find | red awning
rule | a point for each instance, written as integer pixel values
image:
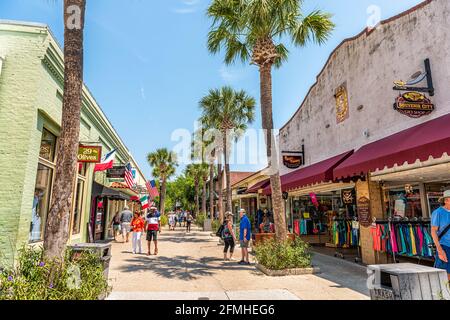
(260, 185)
(431, 138)
(316, 173)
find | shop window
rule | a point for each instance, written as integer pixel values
(404, 204)
(48, 146)
(434, 192)
(41, 202)
(78, 207)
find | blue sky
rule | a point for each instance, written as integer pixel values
(147, 65)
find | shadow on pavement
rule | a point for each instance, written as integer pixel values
(179, 267)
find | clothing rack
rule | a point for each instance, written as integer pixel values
(350, 232)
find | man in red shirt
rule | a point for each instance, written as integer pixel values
(153, 226)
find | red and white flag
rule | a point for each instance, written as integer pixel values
(152, 189)
(107, 162)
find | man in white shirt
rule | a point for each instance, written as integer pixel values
(153, 227)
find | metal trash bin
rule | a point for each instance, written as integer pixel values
(407, 281)
(102, 250)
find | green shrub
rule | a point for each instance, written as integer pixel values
(283, 255)
(200, 219)
(164, 220)
(36, 278)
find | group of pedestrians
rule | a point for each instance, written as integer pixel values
(136, 224)
(180, 217)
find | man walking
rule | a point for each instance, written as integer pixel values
(125, 219)
(153, 226)
(244, 236)
(440, 225)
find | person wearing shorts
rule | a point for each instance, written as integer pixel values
(125, 218)
(153, 227)
(244, 236)
(439, 221)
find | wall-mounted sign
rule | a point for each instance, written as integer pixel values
(285, 195)
(116, 172)
(342, 111)
(293, 162)
(364, 215)
(89, 154)
(413, 104)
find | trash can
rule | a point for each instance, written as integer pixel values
(407, 281)
(102, 250)
(207, 225)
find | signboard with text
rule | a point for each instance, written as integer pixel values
(364, 215)
(89, 154)
(116, 173)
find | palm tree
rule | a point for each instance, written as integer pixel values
(197, 171)
(57, 225)
(252, 30)
(164, 165)
(228, 111)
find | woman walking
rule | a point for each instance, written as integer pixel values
(228, 236)
(137, 227)
(116, 225)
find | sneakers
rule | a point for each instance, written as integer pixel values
(242, 262)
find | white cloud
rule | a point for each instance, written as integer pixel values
(229, 75)
(189, 6)
(184, 11)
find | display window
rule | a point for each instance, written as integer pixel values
(434, 191)
(43, 186)
(404, 203)
(78, 207)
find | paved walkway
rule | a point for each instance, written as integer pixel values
(190, 267)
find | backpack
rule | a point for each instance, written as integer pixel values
(220, 231)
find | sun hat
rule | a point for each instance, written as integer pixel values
(445, 196)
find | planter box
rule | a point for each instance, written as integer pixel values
(287, 272)
(261, 237)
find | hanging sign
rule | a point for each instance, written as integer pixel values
(413, 104)
(348, 197)
(364, 215)
(116, 172)
(89, 154)
(293, 162)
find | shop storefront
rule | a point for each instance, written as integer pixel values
(33, 64)
(379, 199)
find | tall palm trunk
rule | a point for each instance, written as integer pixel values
(204, 197)
(197, 192)
(229, 204)
(162, 199)
(57, 226)
(211, 190)
(275, 181)
(220, 192)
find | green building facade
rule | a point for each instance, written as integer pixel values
(31, 91)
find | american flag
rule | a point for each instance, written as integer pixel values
(152, 189)
(129, 176)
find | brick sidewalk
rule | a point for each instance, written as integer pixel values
(190, 266)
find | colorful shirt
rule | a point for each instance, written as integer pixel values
(152, 223)
(138, 224)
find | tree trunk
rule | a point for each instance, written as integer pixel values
(197, 192)
(275, 182)
(56, 233)
(204, 197)
(220, 192)
(211, 190)
(229, 203)
(162, 197)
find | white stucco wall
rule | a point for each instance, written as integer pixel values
(369, 63)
